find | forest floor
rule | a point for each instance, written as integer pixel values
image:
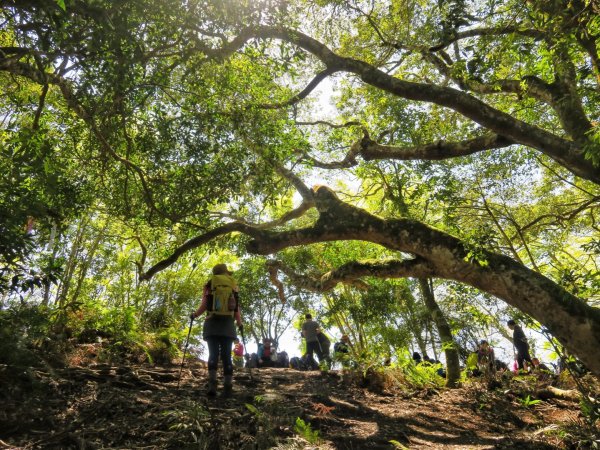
(141, 406)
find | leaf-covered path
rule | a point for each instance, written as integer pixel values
(140, 407)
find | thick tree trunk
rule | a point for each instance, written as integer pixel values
(448, 345)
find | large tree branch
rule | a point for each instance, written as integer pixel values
(370, 150)
(486, 31)
(448, 258)
(285, 218)
(301, 95)
(255, 230)
(352, 272)
(437, 254)
(560, 95)
(567, 153)
(197, 242)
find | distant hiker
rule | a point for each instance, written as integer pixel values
(307, 362)
(341, 351)
(324, 346)
(521, 345)
(486, 361)
(343, 345)
(283, 360)
(441, 371)
(301, 363)
(252, 361)
(416, 357)
(424, 360)
(265, 352)
(295, 363)
(540, 369)
(274, 353)
(537, 365)
(310, 332)
(220, 301)
(501, 366)
(238, 353)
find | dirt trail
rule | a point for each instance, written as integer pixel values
(140, 407)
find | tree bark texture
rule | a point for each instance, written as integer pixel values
(448, 344)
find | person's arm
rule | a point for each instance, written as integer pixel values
(203, 304)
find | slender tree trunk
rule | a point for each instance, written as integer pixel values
(65, 284)
(413, 320)
(448, 344)
(86, 265)
(52, 245)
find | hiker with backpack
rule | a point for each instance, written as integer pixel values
(324, 346)
(265, 353)
(521, 346)
(220, 301)
(341, 351)
(315, 340)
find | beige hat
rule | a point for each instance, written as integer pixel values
(221, 269)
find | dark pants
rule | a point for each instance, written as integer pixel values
(219, 347)
(315, 347)
(523, 355)
(266, 362)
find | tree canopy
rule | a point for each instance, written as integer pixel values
(460, 141)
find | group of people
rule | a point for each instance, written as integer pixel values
(483, 361)
(220, 302)
(427, 361)
(267, 356)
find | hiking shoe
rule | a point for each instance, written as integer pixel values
(227, 390)
(212, 389)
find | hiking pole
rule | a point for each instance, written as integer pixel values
(246, 357)
(187, 341)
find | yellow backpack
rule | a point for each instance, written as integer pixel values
(222, 299)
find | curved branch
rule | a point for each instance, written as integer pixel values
(288, 216)
(352, 123)
(197, 242)
(348, 161)
(370, 150)
(302, 95)
(350, 273)
(486, 31)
